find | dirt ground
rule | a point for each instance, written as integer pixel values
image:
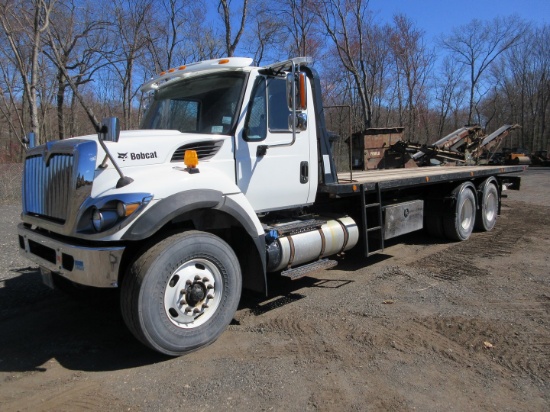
(427, 325)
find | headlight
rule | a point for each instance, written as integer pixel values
(104, 219)
(97, 220)
(108, 212)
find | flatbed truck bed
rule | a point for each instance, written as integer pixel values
(388, 179)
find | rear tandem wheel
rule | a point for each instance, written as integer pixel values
(459, 221)
(488, 205)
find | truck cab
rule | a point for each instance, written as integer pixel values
(211, 105)
(92, 204)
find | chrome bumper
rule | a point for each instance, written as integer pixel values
(91, 266)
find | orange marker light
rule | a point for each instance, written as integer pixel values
(303, 91)
(191, 159)
(223, 61)
(182, 67)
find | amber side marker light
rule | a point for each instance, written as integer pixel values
(125, 210)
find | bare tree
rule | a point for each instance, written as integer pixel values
(225, 10)
(74, 43)
(10, 104)
(413, 62)
(345, 22)
(299, 19)
(172, 33)
(23, 25)
(448, 86)
(129, 34)
(477, 44)
(266, 34)
(522, 84)
(378, 63)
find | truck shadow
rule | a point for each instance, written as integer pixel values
(39, 324)
(283, 291)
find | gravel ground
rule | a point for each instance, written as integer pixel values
(427, 325)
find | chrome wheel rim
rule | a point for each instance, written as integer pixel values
(193, 293)
(467, 212)
(491, 205)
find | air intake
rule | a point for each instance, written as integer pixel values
(205, 150)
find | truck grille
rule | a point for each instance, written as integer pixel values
(47, 185)
(53, 178)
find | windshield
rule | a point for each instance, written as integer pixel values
(206, 104)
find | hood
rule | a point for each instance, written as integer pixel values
(149, 147)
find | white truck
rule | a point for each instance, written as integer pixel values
(231, 177)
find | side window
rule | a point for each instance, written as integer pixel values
(278, 111)
(255, 126)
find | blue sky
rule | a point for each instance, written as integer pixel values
(440, 16)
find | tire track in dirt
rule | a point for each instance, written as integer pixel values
(456, 262)
(63, 397)
(504, 344)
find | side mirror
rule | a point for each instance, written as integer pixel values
(300, 89)
(300, 123)
(110, 129)
(29, 140)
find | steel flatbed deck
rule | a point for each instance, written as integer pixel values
(389, 179)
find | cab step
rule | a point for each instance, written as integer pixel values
(301, 271)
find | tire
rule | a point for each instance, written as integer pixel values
(488, 206)
(181, 294)
(459, 222)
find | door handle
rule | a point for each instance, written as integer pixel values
(304, 172)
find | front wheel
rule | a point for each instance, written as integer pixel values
(181, 294)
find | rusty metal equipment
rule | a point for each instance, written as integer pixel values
(540, 158)
(516, 156)
(466, 145)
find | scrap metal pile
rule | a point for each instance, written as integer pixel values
(467, 145)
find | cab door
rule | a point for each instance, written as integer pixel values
(272, 171)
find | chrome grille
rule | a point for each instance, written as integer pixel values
(58, 178)
(47, 185)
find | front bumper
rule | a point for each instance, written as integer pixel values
(90, 266)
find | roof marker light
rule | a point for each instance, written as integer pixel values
(171, 70)
(223, 61)
(182, 67)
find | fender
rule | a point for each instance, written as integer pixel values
(170, 207)
(177, 204)
(450, 200)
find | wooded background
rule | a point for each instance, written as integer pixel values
(65, 64)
